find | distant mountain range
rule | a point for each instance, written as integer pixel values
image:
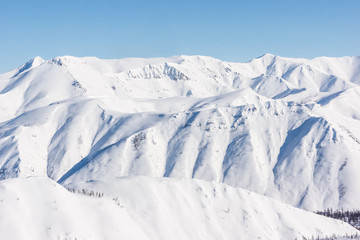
(285, 128)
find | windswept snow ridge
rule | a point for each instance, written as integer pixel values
(281, 127)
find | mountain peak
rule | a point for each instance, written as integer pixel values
(267, 56)
(38, 59)
(32, 63)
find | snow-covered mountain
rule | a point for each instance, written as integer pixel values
(282, 127)
(143, 208)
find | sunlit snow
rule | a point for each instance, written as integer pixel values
(280, 127)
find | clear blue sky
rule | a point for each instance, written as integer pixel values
(229, 30)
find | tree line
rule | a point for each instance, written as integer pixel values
(349, 216)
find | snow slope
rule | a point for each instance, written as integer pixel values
(149, 208)
(39, 208)
(286, 128)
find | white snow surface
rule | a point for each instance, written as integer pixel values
(281, 127)
(39, 208)
(151, 208)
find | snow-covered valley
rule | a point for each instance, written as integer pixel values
(177, 141)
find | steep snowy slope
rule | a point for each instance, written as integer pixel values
(147, 208)
(286, 128)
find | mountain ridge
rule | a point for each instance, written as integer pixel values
(266, 125)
